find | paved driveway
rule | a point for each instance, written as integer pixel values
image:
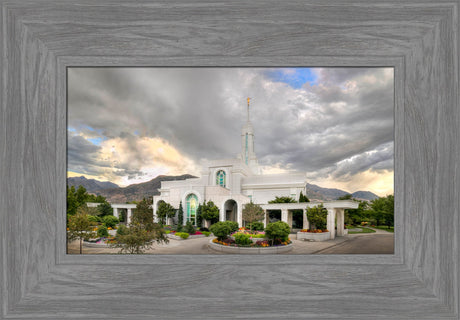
(381, 242)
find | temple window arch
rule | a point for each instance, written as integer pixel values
(221, 178)
(191, 207)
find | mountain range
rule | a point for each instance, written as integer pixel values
(135, 192)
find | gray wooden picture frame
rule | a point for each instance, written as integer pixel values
(41, 38)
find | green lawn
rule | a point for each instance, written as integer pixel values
(364, 230)
(391, 229)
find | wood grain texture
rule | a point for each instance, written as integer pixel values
(41, 38)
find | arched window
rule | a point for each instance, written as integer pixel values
(192, 205)
(220, 178)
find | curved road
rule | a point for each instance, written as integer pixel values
(381, 242)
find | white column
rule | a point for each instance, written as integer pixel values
(331, 222)
(265, 219)
(340, 222)
(306, 223)
(222, 213)
(155, 218)
(284, 215)
(115, 212)
(240, 216)
(128, 216)
(289, 219)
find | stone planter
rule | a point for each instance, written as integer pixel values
(323, 236)
(247, 250)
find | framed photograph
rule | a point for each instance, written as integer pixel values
(177, 160)
(42, 40)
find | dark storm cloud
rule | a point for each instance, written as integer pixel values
(200, 112)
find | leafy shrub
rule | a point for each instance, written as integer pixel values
(102, 231)
(110, 221)
(122, 230)
(277, 230)
(204, 229)
(183, 235)
(233, 225)
(94, 218)
(242, 239)
(257, 226)
(261, 235)
(317, 216)
(221, 230)
(206, 233)
(189, 228)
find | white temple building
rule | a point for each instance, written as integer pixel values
(232, 183)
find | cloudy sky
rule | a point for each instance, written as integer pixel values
(128, 125)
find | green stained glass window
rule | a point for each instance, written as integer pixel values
(192, 205)
(220, 178)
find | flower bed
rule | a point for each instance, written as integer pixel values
(255, 236)
(260, 247)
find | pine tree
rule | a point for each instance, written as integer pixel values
(180, 218)
(143, 215)
(303, 198)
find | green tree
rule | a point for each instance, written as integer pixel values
(210, 212)
(165, 210)
(317, 216)
(345, 197)
(252, 212)
(180, 217)
(136, 239)
(110, 221)
(199, 217)
(221, 230)
(382, 210)
(282, 200)
(72, 204)
(277, 230)
(143, 215)
(356, 216)
(81, 195)
(80, 227)
(303, 198)
(105, 209)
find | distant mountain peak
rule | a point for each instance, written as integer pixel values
(315, 192)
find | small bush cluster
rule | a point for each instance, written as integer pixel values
(102, 232)
(242, 239)
(183, 235)
(94, 219)
(189, 228)
(223, 229)
(257, 226)
(110, 221)
(278, 230)
(122, 230)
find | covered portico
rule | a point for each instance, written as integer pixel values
(129, 207)
(334, 209)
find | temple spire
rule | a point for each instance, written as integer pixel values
(248, 108)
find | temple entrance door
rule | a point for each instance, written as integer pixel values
(231, 209)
